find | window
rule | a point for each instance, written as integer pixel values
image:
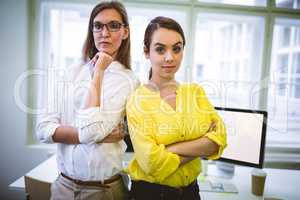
(239, 2)
(66, 28)
(228, 57)
(283, 97)
(245, 53)
(288, 4)
(63, 31)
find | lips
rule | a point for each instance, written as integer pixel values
(104, 43)
(168, 67)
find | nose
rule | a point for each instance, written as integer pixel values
(105, 32)
(169, 57)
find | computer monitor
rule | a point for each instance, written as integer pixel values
(246, 134)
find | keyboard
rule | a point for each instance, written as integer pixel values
(206, 185)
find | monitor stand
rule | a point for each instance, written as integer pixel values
(217, 178)
(222, 170)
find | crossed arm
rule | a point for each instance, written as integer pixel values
(191, 149)
(159, 160)
(69, 135)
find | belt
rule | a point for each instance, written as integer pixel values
(164, 188)
(93, 183)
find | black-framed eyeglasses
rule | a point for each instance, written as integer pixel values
(112, 26)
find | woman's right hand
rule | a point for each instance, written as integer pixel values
(101, 61)
(117, 134)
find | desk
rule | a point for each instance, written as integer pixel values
(280, 183)
(46, 171)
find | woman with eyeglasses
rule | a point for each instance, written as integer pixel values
(87, 126)
(171, 124)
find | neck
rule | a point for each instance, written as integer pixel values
(114, 55)
(163, 82)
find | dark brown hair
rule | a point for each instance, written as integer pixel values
(155, 24)
(89, 49)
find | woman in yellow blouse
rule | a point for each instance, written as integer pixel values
(171, 125)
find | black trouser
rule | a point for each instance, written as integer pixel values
(142, 190)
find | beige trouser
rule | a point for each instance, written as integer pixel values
(64, 189)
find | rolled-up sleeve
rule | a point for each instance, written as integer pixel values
(46, 126)
(94, 125)
(48, 121)
(218, 134)
(152, 158)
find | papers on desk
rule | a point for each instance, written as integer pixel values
(206, 185)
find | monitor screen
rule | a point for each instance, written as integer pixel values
(246, 132)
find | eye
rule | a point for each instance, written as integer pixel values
(97, 26)
(177, 49)
(114, 25)
(160, 50)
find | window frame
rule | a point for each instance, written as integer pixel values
(277, 154)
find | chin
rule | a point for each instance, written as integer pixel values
(168, 76)
(104, 50)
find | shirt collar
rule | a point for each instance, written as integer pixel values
(115, 65)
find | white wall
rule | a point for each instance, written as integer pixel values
(15, 158)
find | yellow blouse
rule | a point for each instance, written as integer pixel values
(153, 124)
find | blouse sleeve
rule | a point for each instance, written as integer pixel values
(54, 95)
(153, 158)
(217, 135)
(46, 126)
(95, 122)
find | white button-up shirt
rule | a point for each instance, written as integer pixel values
(89, 160)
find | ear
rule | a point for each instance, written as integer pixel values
(126, 33)
(146, 52)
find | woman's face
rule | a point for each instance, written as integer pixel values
(105, 40)
(165, 53)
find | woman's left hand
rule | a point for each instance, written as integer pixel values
(212, 127)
